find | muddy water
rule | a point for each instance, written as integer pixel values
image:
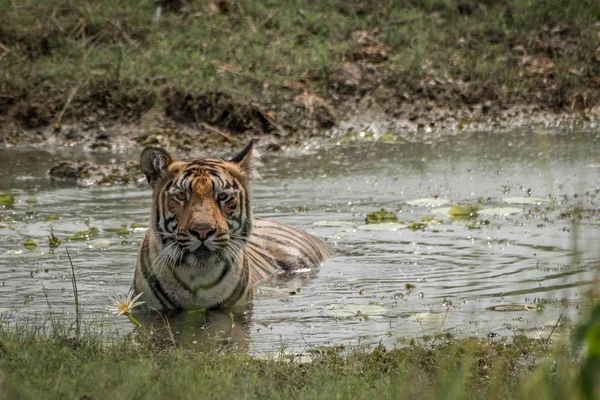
(387, 282)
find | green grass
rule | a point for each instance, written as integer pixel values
(269, 51)
(38, 364)
(51, 358)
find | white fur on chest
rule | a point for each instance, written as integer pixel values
(204, 286)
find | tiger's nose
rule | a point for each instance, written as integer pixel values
(202, 232)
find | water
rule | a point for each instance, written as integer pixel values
(458, 267)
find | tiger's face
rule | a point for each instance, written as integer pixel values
(201, 208)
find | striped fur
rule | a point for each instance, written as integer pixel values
(204, 248)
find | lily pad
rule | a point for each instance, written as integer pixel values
(30, 244)
(118, 231)
(417, 226)
(355, 310)
(380, 216)
(441, 210)
(462, 211)
(510, 307)
(90, 233)
(99, 244)
(387, 226)
(136, 226)
(428, 202)
(333, 223)
(7, 200)
(526, 200)
(499, 211)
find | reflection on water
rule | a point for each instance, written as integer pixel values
(384, 284)
(202, 331)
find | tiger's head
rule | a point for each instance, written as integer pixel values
(201, 208)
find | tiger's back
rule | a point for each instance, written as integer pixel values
(204, 248)
(275, 248)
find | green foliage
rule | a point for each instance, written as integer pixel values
(381, 216)
(589, 334)
(7, 200)
(53, 241)
(110, 48)
(463, 210)
(33, 362)
(87, 234)
(30, 244)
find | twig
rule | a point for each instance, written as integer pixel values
(125, 35)
(69, 99)
(269, 17)
(49, 308)
(167, 327)
(554, 328)
(442, 325)
(214, 130)
(510, 307)
(248, 19)
(93, 43)
(276, 125)
(5, 49)
(76, 296)
(76, 28)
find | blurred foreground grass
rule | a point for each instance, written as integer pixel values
(34, 364)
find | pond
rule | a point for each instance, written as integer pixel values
(431, 272)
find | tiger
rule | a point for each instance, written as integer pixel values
(204, 249)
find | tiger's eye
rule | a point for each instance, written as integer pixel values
(180, 196)
(222, 196)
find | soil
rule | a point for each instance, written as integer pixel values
(361, 96)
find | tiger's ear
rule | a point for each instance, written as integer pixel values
(154, 163)
(248, 160)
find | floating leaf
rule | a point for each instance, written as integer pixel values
(53, 241)
(499, 211)
(119, 231)
(30, 244)
(136, 226)
(380, 216)
(441, 210)
(7, 200)
(461, 211)
(416, 226)
(85, 235)
(526, 200)
(99, 244)
(333, 223)
(387, 226)
(52, 218)
(428, 202)
(510, 307)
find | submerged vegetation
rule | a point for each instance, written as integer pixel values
(272, 67)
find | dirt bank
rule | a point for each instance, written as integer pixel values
(203, 77)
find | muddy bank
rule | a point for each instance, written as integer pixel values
(186, 122)
(220, 130)
(122, 77)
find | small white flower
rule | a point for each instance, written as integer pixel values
(123, 304)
